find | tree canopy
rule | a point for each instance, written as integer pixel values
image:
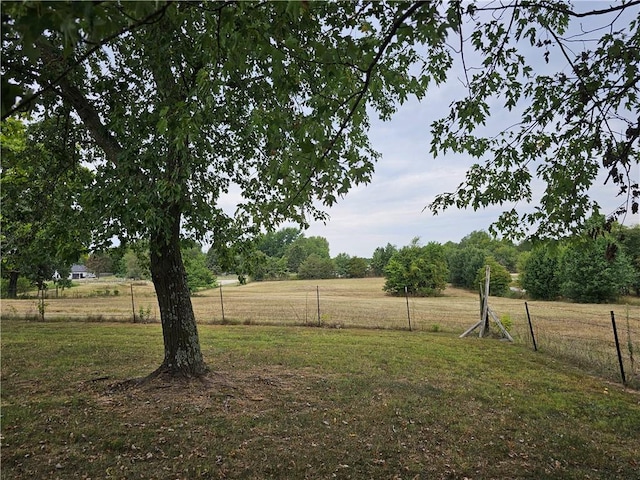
(272, 102)
(569, 74)
(43, 192)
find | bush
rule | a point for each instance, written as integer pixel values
(499, 279)
(464, 264)
(422, 270)
(590, 275)
(316, 267)
(540, 277)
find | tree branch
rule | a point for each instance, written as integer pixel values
(554, 8)
(359, 95)
(146, 20)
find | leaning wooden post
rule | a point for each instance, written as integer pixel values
(222, 304)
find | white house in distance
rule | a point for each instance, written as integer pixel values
(80, 271)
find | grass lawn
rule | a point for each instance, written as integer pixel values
(303, 402)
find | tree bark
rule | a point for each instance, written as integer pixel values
(13, 284)
(182, 355)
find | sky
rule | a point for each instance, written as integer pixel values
(390, 209)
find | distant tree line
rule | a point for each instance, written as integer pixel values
(591, 268)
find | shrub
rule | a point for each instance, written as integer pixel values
(421, 270)
(590, 275)
(316, 267)
(540, 277)
(499, 280)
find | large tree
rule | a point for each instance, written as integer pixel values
(42, 191)
(187, 100)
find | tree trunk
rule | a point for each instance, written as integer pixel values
(182, 355)
(13, 284)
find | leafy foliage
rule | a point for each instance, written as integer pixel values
(629, 241)
(198, 274)
(381, 257)
(303, 247)
(316, 267)
(43, 193)
(588, 275)
(274, 244)
(464, 263)
(541, 275)
(273, 101)
(573, 118)
(347, 266)
(98, 263)
(422, 270)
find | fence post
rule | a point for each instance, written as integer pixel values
(615, 335)
(222, 304)
(318, 298)
(535, 346)
(133, 305)
(406, 295)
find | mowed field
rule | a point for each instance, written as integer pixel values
(304, 403)
(359, 398)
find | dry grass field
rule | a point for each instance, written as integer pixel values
(579, 332)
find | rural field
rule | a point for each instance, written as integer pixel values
(581, 334)
(299, 402)
(362, 397)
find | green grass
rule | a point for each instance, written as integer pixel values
(288, 402)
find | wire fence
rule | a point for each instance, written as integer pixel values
(581, 334)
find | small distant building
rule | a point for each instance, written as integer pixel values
(79, 271)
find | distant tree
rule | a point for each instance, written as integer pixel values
(316, 267)
(381, 257)
(541, 273)
(214, 262)
(479, 239)
(264, 267)
(198, 273)
(274, 244)
(506, 254)
(134, 264)
(341, 262)
(357, 267)
(499, 280)
(590, 274)
(98, 263)
(464, 263)
(303, 247)
(629, 240)
(421, 269)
